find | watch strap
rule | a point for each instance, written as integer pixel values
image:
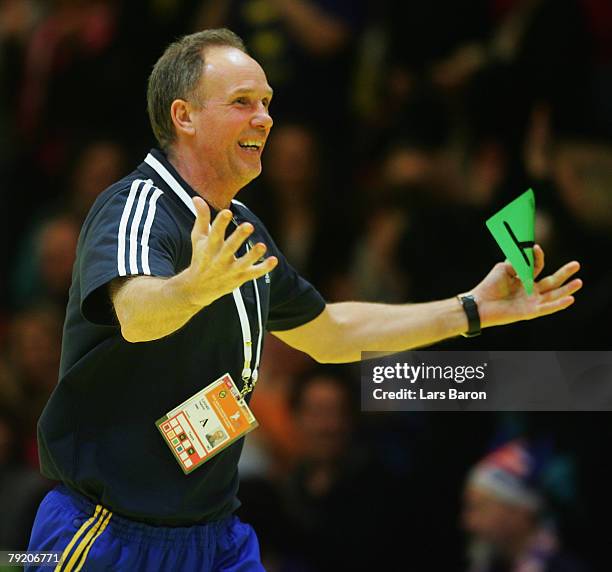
(468, 302)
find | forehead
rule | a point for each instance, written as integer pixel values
(228, 69)
(477, 496)
(474, 493)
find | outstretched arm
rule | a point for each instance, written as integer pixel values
(346, 329)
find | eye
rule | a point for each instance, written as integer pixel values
(266, 102)
(242, 100)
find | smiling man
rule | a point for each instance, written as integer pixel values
(163, 303)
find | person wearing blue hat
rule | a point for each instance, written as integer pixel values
(505, 515)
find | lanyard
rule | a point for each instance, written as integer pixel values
(249, 376)
(250, 369)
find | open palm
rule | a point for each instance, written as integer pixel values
(502, 298)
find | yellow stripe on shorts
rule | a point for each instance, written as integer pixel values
(76, 555)
(100, 531)
(68, 560)
(83, 528)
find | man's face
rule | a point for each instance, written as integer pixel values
(233, 122)
(488, 519)
(323, 420)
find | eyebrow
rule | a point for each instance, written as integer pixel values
(240, 90)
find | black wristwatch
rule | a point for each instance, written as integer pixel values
(471, 311)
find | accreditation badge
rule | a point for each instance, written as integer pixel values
(206, 423)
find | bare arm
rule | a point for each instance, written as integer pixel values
(346, 329)
(149, 308)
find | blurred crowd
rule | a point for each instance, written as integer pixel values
(400, 127)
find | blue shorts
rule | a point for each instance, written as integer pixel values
(91, 538)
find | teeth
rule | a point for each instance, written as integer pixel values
(255, 144)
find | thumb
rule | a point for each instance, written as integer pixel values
(202, 221)
(509, 269)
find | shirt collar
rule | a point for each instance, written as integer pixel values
(157, 166)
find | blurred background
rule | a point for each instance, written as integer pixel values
(400, 126)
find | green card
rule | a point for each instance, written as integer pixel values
(513, 228)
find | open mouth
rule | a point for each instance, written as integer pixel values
(251, 145)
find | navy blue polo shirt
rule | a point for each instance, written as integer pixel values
(97, 432)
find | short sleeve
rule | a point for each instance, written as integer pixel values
(293, 300)
(131, 234)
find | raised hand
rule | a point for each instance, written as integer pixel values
(502, 299)
(215, 270)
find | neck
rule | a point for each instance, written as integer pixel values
(202, 178)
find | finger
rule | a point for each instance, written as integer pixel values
(559, 277)
(567, 290)
(555, 306)
(538, 262)
(253, 255)
(236, 239)
(216, 236)
(202, 221)
(258, 270)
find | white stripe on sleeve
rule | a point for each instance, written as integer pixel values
(142, 197)
(147, 231)
(127, 209)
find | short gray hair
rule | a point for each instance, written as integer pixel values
(177, 74)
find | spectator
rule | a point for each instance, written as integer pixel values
(73, 35)
(505, 516)
(45, 277)
(43, 260)
(17, 20)
(575, 198)
(297, 205)
(98, 164)
(330, 495)
(300, 44)
(33, 363)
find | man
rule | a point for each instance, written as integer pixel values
(335, 482)
(505, 514)
(164, 302)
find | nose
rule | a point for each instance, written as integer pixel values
(262, 119)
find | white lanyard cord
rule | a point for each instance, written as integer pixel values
(246, 334)
(249, 376)
(255, 374)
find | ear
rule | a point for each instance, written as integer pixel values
(181, 111)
